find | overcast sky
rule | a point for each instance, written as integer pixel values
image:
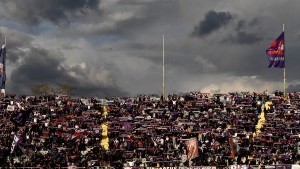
(114, 47)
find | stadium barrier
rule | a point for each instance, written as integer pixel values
(281, 166)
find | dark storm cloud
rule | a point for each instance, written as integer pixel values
(59, 12)
(147, 17)
(14, 55)
(41, 65)
(15, 42)
(212, 21)
(128, 27)
(241, 24)
(46, 66)
(254, 22)
(121, 47)
(16, 39)
(244, 24)
(132, 2)
(243, 38)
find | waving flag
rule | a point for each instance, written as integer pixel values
(192, 146)
(232, 153)
(15, 142)
(78, 134)
(21, 117)
(2, 69)
(275, 52)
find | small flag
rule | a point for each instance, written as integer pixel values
(2, 69)
(232, 153)
(275, 52)
(78, 134)
(15, 142)
(21, 117)
(127, 126)
(192, 146)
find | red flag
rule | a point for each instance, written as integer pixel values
(78, 134)
(192, 146)
(232, 147)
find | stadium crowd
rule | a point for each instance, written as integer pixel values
(234, 128)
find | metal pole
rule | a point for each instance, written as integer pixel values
(163, 67)
(284, 76)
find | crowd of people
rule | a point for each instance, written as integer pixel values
(194, 129)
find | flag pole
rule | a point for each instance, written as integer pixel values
(163, 69)
(284, 76)
(3, 90)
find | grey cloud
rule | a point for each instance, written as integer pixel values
(16, 39)
(59, 12)
(127, 28)
(133, 2)
(14, 56)
(41, 65)
(254, 22)
(212, 22)
(205, 64)
(242, 34)
(146, 15)
(243, 38)
(241, 24)
(46, 66)
(244, 24)
(16, 42)
(129, 33)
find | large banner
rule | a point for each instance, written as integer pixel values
(195, 167)
(239, 167)
(283, 166)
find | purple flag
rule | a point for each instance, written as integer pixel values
(21, 117)
(2, 67)
(127, 126)
(15, 142)
(275, 52)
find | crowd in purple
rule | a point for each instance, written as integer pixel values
(51, 131)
